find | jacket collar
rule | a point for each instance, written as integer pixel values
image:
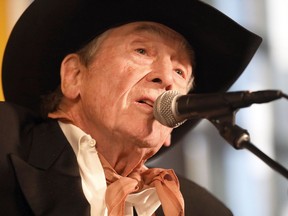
(50, 179)
(48, 143)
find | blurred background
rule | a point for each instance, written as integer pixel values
(242, 181)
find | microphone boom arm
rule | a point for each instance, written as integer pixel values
(239, 138)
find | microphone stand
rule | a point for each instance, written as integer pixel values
(239, 138)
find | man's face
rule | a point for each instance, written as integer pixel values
(132, 68)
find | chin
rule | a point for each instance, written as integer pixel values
(155, 144)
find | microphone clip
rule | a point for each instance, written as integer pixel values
(232, 133)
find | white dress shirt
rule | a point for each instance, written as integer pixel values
(93, 178)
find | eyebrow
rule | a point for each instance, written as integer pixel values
(173, 35)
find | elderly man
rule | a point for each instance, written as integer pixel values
(101, 66)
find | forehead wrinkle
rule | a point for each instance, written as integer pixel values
(164, 31)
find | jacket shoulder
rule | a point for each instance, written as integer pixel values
(199, 201)
(15, 121)
(15, 114)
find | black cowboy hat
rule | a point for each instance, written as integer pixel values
(50, 29)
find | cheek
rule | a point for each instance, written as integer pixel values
(109, 85)
(93, 92)
(124, 79)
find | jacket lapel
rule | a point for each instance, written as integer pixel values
(50, 178)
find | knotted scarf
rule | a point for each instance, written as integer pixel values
(119, 187)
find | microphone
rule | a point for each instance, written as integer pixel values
(172, 109)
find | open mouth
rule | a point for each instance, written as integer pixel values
(147, 102)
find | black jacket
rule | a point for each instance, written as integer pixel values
(39, 173)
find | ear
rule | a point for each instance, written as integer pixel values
(71, 75)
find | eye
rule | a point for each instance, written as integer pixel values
(141, 51)
(180, 72)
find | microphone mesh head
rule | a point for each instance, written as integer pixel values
(164, 109)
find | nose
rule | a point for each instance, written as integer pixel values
(162, 74)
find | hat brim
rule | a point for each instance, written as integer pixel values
(50, 29)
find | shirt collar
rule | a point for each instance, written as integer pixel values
(75, 135)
